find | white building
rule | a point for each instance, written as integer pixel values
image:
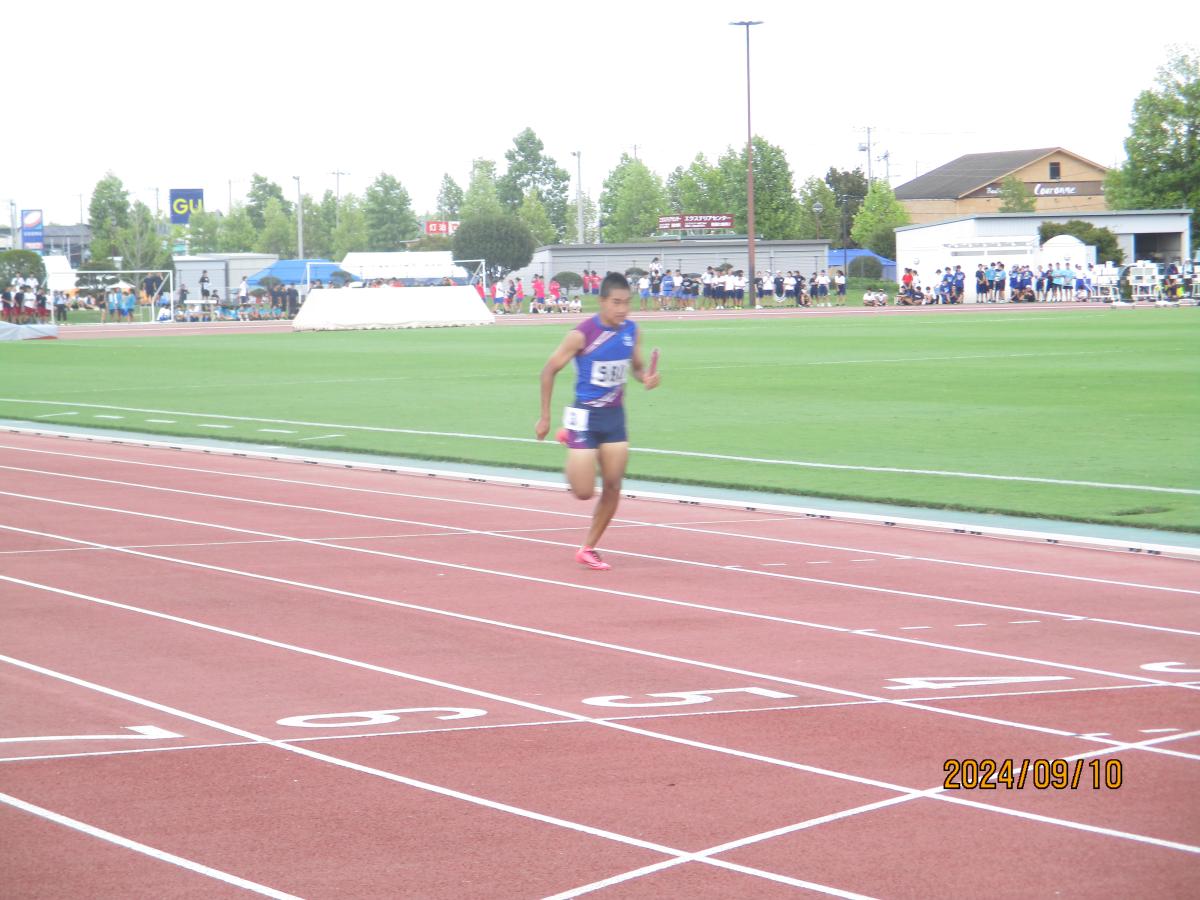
(1160, 235)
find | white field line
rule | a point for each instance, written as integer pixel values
(912, 793)
(688, 453)
(464, 617)
(505, 535)
(438, 789)
(146, 850)
(617, 522)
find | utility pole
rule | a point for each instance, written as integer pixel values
(578, 196)
(337, 194)
(867, 148)
(299, 220)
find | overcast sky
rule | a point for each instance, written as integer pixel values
(194, 95)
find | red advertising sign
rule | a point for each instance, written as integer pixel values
(445, 228)
(680, 223)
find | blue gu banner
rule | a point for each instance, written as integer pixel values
(33, 234)
(184, 202)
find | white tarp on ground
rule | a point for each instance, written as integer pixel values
(423, 264)
(343, 309)
(35, 332)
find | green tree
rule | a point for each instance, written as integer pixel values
(23, 263)
(350, 235)
(1015, 197)
(812, 225)
(876, 223)
(278, 234)
(449, 199)
(529, 171)
(1105, 241)
(1162, 166)
(262, 191)
(238, 234)
(204, 232)
(389, 214)
(427, 242)
(139, 243)
(776, 212)
(850, 188)
(320, 219)
(503, 240)
(481, 198)
(698, 190)
(631, 202)
(533, 213)
(108, 213)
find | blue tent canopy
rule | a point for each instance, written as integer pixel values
(293, 271)
(839, 258)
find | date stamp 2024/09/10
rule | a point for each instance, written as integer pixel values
(1041, 774)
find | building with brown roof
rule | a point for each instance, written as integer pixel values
(1060, 181)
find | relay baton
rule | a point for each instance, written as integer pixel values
(654, 361)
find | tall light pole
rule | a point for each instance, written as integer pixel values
(299, 220)
(749, 170)
(578, 196)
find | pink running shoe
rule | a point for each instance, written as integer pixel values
(562, 436)
(589, 557)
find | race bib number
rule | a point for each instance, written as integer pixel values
(610, 374)
(575, 419)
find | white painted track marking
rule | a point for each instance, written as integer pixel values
(892, 470)
(510, 536)
(688, 527)
(912, 793)
(412, 782)
(537, 580)
(144, 849)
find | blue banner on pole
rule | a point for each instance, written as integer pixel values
(184, 202)
(33, 234)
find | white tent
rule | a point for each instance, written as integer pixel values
(427, 265)
(59, 274)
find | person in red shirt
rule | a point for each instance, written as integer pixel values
(520, 296)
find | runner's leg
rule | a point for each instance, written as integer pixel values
(581, 472)
(613, 459)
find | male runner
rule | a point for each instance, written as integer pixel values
(606, 349)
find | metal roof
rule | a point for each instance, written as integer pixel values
(968, 173)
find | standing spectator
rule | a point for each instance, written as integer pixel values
(519, 295)
(839, 280)
(244, 298)
(204, 283)
(666, 291)
(981, 285)
(960, 284)
(644, 290)
(1001, 282)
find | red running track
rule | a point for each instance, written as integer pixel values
(224, 675)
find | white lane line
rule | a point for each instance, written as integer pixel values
(276, 431)
(145, 849)
(525, 538)
(209, 425)
(646, 450)
(862, 560)
(915, 627)
(52, 415)
(576, 585)
(162, 421)
(321, 437)
(592, 831)
(912, 703)
(819, 562)
(1025, 622)
(674, 526)
(107, 417)
(972, 625)
(1158, 730)
(911, 793)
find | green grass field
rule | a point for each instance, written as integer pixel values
(1107, 396)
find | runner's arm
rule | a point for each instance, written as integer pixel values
(639, 367)
(567, 351)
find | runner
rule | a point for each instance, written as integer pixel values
(606, 348)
